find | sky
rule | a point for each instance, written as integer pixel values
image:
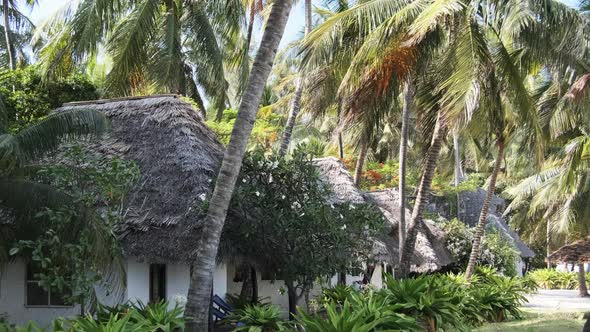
(293, 31)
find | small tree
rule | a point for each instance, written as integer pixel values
(282, 220)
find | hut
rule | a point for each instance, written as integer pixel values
(577, 252)
(469, 208)
(430, 252)
(178, 156)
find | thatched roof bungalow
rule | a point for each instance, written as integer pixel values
(577, 252)
(178, 156)
(430, 251)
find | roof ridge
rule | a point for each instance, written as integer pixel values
(112, 100)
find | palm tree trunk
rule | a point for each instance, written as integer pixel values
(582, 287)
(458, 168)
(358, 171)
(8, 39)
(340, 146)
(403, 148)
(485, 209)
(422, 196)
(296, 103)
(199, 296)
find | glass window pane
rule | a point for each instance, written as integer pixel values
(36, 295)
(58, 298)
(32, 270)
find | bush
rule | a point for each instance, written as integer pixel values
(428, 299)
(361, 312)
(258, 318)
(496, 251)
(553, 279)
(155, 317)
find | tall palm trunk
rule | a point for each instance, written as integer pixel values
(458, 169)
(485, 209)
(340, 146)
(458, 176)
(199, 296)
(582, 287)
(422, 196)
(8, 39)
(358, 171)
(296, 103)
(403, 148)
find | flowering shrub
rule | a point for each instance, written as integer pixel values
(496, 251)
(282, 219)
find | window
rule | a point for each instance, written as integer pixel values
(157, 282)
(38, 296)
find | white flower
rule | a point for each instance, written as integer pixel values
(352, 207)
(270, 179)
(244, 180)
(203, 196)
(302, 214)
(210, 180)
(282, 196)
(332, 206)
(179, 299)
(341, 216)
(295, 205)
(257, 194)
(343, 227)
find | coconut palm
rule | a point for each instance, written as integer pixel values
(167, 46)
(296, 102)
(199, 293)
(475, 43)
(17, 29)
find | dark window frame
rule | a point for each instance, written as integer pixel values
(34, 281)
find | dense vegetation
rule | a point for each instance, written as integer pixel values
(427, 96)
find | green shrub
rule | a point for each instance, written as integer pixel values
(496, 251)
(428, 299)
(337, 294)
(552, 279)
(360, 313)
(258, 318)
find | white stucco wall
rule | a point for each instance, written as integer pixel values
(274, 292)
(12, 299)
(12, 290)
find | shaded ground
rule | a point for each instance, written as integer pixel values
(558, 301)
(548, 311)
(540, 322)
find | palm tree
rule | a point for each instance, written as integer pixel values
(13, 39)
(18, 151)
(296, 102)
(468, 36)
(170, 46)
(199, 293)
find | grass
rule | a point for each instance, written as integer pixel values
(540, 322)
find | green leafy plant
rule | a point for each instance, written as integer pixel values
(426, 298)
(258, 318)
(553, 279)
(352, 316)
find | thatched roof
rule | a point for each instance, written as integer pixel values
(577, 252)
(471, 203)
(178, 156)
(430, 254)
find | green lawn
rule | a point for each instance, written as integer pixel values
(540, 322)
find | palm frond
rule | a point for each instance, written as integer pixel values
(45, 136)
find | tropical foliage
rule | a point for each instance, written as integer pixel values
(283, 222)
